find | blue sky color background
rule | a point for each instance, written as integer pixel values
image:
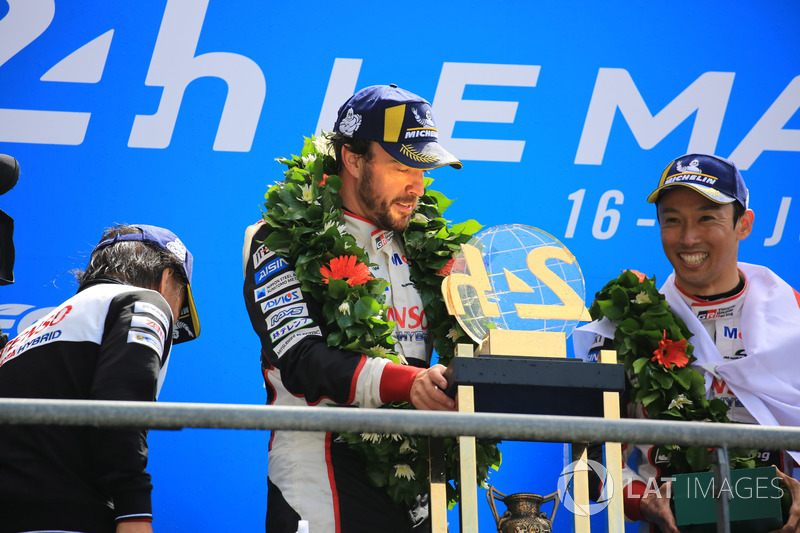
(595, 99)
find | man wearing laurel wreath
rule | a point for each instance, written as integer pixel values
(744, 319)
(384, 140)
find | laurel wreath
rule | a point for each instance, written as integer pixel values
(304, 213)
(412, 153)
(652, 344)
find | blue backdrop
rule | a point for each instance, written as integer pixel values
(171, 112)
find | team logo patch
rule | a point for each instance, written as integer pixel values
(261, 255)
(294, 338)
(423, 120)
(276, 265)
(693, 166)
(382, 239)
(178, 249)
(150, 324)
(292, 325)
(285, 298)
(350, 123)
(146, 339)
(147, 307)
(293, 311)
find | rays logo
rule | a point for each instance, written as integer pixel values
(566, 478)
(285, 298)
(277, 316)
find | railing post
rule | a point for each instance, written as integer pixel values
(722, 478)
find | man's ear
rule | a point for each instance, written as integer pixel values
(163, 284)
(352, 163)
(745, 224)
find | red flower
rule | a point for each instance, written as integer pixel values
(669, 352)
(638, 275)
(445, 270)
(345, 267)
(323, 180)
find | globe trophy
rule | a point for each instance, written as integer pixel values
(518, 292)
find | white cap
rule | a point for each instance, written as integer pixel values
(302, 526)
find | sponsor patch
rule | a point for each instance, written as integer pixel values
(289, 327)
(285, 298)
(261, 255)
(294, 338)
(281, 282)
(150, 324)
(276, 265)
(147, 307)
(260, 293)
(279, 315)
(146, 339)
(381, 238)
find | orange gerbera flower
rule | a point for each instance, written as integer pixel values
(669, 352)
(638, 274)
(345, 267)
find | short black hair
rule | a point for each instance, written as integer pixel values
(139, 263)
(341, 142)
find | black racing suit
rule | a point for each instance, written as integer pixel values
(110, 341)
(317, 476)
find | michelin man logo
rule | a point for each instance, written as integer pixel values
(350, 123)
(178, 249)
(693, 166)
(427, 120)
(564, 484)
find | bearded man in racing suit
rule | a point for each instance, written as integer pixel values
(316, 476)
(745, 322)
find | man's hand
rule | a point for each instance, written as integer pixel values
(656, 509)
(793, 522)
(427, 391)
(134, 527)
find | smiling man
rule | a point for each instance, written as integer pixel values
(384, 139)
(744, 320)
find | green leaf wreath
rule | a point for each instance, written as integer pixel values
(652, 344)
(304, 213)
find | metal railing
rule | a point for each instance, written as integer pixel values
(534, 428)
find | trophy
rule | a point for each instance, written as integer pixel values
(518, 293)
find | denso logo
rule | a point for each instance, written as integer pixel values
(411, 317)
(293, 311)
(273, 266)
(283, 299)
(289, 327)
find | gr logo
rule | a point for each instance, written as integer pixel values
(566, 478)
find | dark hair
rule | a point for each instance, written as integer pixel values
(357, 146)
(139, 263)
